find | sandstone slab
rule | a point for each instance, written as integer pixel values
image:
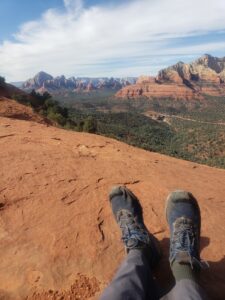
(58, 237)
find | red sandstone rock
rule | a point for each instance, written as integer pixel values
(166, 90)
(146, 80)
(12, 109)
(182, 81)
(58, 237)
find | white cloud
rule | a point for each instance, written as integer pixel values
(86, 41)
(73, 6)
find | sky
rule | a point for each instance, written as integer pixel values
(98, 38)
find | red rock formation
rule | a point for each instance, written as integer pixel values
(182, 81)
(58, 235)
(146, 80)
(45, 82)
(90, 87)
(162, 90)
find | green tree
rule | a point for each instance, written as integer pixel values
(20, 98)
(2, 81)
(58, 118)
(37, 100)
(80, 125)
(90, 125)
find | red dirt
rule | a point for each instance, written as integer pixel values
(58, 236)
(11, 109)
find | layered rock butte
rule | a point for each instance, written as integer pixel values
(58, 236)
(205, 76)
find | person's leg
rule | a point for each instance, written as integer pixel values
(186, 289)
(133, 280)
(184, 219)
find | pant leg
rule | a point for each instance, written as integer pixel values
(186, 289)
(133, 280)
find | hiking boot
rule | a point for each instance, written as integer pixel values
(184, 219)
(128, 214)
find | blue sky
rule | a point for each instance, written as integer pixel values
(106, 38)
(13, 13)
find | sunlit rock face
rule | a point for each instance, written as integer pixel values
(206, 75)
(44, 82)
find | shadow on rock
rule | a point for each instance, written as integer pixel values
(212, 279)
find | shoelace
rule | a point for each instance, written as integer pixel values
(131, 231)
(184, 240)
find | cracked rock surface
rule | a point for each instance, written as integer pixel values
(58, 237)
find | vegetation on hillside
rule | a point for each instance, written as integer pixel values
(47, 107)
(191, 130)
(2, 81)
(202, 143)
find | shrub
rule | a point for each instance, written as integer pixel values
(54, 116)
(2, 81)
(90, 125)
(21, 98)
(37, 100)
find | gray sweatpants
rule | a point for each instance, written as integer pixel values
(134, 281)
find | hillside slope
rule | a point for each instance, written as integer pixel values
(11, 109)
(8, 90)
(58, 236)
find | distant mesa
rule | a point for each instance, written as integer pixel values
(206, 75)
(45, 82)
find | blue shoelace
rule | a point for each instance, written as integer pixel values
(132, 232)
(184, 240)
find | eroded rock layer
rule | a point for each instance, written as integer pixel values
(182, 81)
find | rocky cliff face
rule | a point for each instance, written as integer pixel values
(214, 63)
(206, 75)
(45, 82)
(59, 239)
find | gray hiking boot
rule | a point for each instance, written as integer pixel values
(184, 219)
(128, 214)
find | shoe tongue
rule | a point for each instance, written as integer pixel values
(125, 220)
(183, 257)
